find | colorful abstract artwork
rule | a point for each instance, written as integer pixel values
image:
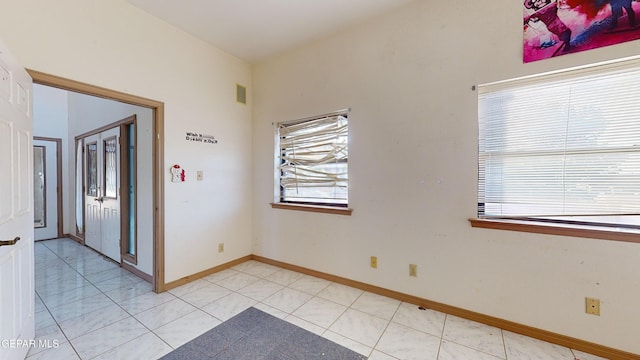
(559, 27)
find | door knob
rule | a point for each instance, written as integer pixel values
(9, 242)
(99, 199)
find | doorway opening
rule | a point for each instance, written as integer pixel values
(110, 163)
(156, 139)
(47, 188)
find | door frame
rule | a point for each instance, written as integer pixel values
(123, 174)
(59, 195)
(157, 107)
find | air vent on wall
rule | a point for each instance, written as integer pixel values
(241, 94)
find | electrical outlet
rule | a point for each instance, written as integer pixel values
(592, 306)
(221, 247)
(413, 270)
(374, 262)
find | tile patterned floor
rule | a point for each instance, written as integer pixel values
(89, 308)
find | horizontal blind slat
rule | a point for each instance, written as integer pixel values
(566, 147)
(314, 160)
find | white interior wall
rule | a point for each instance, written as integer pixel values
(407, 76)
(112, 44)
(87, 113)
(50, 119)
(50, 112)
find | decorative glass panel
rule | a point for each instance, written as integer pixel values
(92, 169)
(110, 168)
(79, 197)
(39, 188)
(131, 187)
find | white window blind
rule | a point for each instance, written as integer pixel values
(313, 156)
(563, 146)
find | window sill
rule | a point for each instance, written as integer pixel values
(592, 232)
(313, 208)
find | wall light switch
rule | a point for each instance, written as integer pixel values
(200, 175)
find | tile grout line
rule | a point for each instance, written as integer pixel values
(49, 311)
(263, 276)
(316, 296)
(337, 318)
(233, 291)
(107, 296)
(58, 325)
(346, 309)
(504, 345)
(306, 302)
(475, 349)
(385, 328)
(444, 325)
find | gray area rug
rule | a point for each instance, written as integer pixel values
(254, 334)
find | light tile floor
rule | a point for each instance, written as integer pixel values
(89, 308)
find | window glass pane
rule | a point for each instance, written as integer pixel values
(39, 188)
(79, 194)
(314, 161)
(562, 147)
(110, 168)
(92, 169)
(131, 191)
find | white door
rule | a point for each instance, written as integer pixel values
(93, 235)
(45, 184)
(102, 192)
(16, 210)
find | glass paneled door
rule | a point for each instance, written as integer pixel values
(102, 192)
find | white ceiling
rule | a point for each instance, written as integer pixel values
(254, 30)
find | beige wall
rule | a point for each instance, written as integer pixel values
(112, 44)
(407, 77)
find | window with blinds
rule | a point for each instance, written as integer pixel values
(313, 160)
(562, 147)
